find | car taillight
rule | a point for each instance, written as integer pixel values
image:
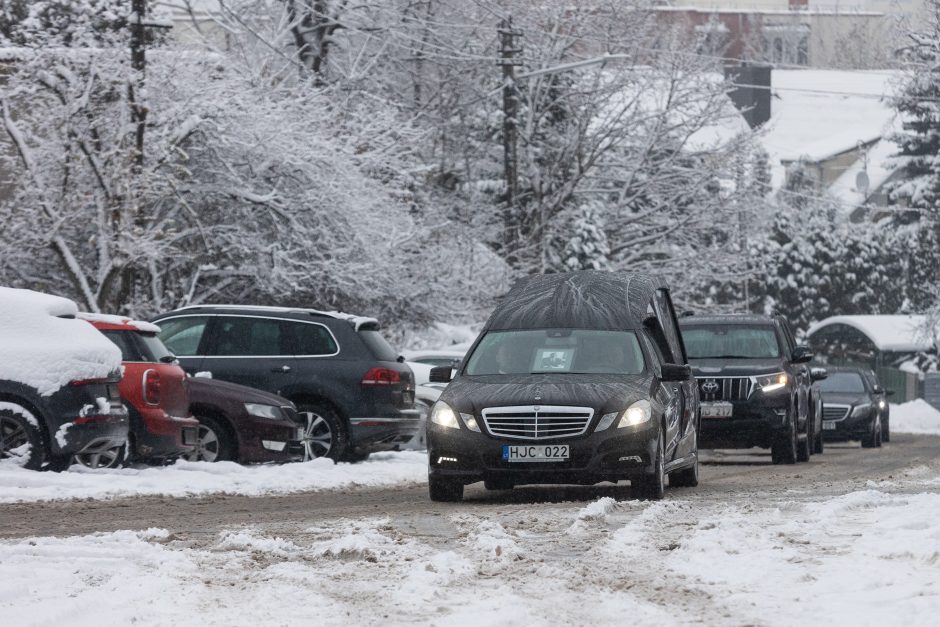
(381, 376)
(151, 385)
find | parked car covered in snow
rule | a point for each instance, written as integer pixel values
(155, 393)
(242, 424)
(575, 378)
(337, 368)
(58, 383)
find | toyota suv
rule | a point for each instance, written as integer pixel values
(575, 378)
(348, 384)
(754, 383)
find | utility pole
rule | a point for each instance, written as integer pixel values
(135, 86)
(509, 60)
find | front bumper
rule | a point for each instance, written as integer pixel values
(848, 428)
(385, 433)
(754, 422)
(610, 455)
(265, 440)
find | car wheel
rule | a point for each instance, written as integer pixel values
(354, 458)
(878, 431)
(685, 478)
(214, 443)
(653, 487)
(783, 450)
(819, 444)
(325, 434)
(445, 490)
(498, 484)
(20, 441)
(886, 429)
(804, 446)
(111, 457)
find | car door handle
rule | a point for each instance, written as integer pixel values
(284, 369)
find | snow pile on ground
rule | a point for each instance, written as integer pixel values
(916, 416)
(197, 478)
(44, 351)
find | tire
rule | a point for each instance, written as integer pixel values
(886, 429)
(783, 450)
(444, 490)
(804, 447)
(354, 458)
(498, 484)
(214, 442)
(112, 457)
(20, 440)
(685, 478)
(325, 434)
(873, 438)
(819, 444)
(653, 487)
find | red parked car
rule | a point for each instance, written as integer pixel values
(154, 388)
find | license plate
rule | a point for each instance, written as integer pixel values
(829, 425)
(718, 409)
(536, 453)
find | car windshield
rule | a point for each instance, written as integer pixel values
(563, 351)
(842, 382)
(726, 341)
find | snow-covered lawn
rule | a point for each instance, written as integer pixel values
(195, 478)
(915, 416)
(864, 558)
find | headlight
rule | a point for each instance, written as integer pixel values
(773, 382)
(470, 422)
(259, 410)
(443, 415)
(636, 414)
(881, 404)
(861, 410)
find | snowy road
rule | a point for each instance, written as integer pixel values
(851, 538)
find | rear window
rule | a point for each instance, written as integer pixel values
(130, 350)
(154, 347)
(378, 346)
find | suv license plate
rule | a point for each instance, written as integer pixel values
(536, 453)
(720, 409)
(829, 425)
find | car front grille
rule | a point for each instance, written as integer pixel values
(835, 412)
(537, 422)
(725, 388)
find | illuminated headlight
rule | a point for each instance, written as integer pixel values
(881, 404)
(636, 414)
(773, 382)
(259, 410)
(861, 410)
(443, 415)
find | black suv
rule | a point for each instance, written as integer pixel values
(343, 376)
(755, 386)
(575, 378)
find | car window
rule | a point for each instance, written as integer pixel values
(130, 350)
(182, 335)
(730, 341)
(312, 339)
(237, 336)
(153, 347)
(843, 382)
(378, 345)
(562, 351)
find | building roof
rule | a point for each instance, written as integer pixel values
(897, 334)
(580, 300)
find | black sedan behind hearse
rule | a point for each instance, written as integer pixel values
(576, 378)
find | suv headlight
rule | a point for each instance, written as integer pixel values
(773, 382)
(861, 410)
(260, 410)
(443, 415)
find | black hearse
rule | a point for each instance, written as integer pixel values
(576, 378)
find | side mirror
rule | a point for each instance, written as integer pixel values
(802, 354)
(878, 389)
(818, 374)
(675, 372)
(441, 374)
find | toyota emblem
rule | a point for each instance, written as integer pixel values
(710, 386)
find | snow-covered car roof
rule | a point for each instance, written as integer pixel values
(902, 333)
(119, 321)
(44, 346)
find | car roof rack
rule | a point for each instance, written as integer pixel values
(359, 322)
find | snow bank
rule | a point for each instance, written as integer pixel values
(916, 416)
(44, 351)
(197, 478)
